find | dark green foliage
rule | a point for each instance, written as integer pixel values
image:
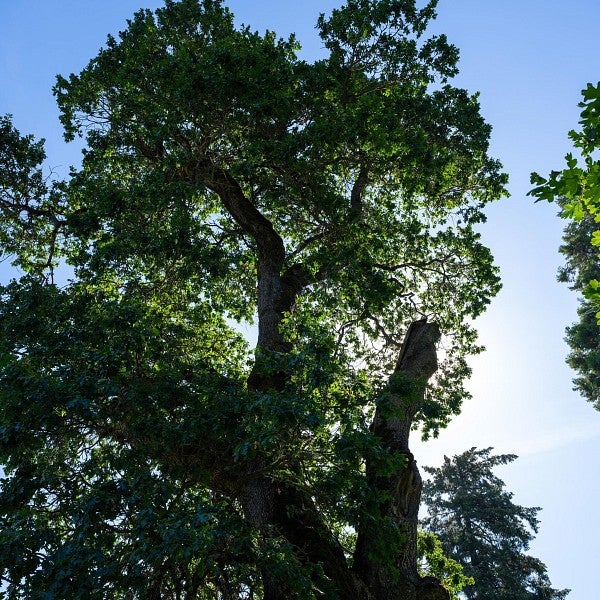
(135, 421)
(583, 266)
(481, 528)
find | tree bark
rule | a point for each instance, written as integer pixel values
(271, 506)
(399, 494)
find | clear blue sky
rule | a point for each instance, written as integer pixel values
(529, 59)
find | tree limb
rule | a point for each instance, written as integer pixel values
(399, 494)
(356, 194)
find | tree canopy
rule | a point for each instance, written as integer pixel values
(481, 528)
(148, 450)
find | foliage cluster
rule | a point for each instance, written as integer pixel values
(576, 189)
(148, 451)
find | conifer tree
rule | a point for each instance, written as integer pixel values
(481, 528)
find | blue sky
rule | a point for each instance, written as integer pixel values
(529, 59)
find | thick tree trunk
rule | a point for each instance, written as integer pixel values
(400, 493)
(270, 506)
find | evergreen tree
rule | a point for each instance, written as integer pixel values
(484, 530)
(577, 191)
(583, 337)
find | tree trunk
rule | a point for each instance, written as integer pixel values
(399, 494)
(267, 504)
(270, 506)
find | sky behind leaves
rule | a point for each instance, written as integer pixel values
(529, 59)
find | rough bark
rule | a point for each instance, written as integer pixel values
(299, 521)
(356, 203)
(400, 493)
(270, 251)
(270, 506)
(267, 504)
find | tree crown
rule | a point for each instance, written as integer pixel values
(225, 180)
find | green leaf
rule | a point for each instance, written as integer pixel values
(227, 185)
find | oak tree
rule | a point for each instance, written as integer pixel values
(148, 450)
